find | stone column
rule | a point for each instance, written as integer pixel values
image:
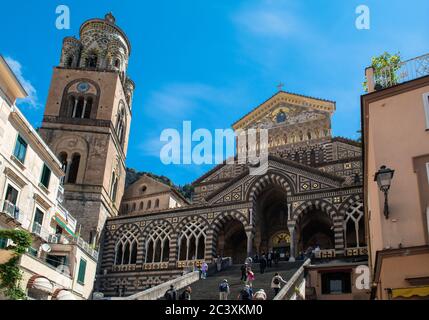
(84, 108)
(292, 244)
(75, 108)
(249, 243)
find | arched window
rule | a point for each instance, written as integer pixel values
(157, 203)
(126, 249)
(120, 124)
(87, 109)
(134, 207)
(92, 60)
(69, 62)
(353, 227)
(296, 157)
(114, 188)
(281, 117)
(305, 157)
(309, 135)
(149, 204)
(117, 63)
(192, 241)
(74, 168)
(158, 245)
(63, 159)
(313, 159)
(141, 205)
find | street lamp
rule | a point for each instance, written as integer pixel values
(384, 179)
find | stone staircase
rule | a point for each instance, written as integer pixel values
(208, 289)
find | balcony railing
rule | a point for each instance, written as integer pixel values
(38, 230)
(405, 71)
(11, 210)
(66, 239)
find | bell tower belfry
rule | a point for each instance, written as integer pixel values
(87, 121)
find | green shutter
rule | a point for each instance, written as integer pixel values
(82, 271)
(46, 176)
(3, 243)
(20, 149)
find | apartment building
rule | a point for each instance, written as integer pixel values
(59, 265)
(395, 124)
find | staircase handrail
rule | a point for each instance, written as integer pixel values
(157, 292)
(292, 283)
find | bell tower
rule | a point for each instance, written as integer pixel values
(87, 121)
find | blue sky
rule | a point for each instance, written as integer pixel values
(213, 61)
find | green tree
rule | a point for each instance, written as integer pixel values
(382, 62)
(10, 274)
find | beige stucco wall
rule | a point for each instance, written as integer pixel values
(397, 133)
(395, 271)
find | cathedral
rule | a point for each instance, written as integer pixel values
(148, 233)
(310, 196)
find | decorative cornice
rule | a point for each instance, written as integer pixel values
(41, 201)
(12, 175)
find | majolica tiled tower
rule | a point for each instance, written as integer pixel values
(87, 121)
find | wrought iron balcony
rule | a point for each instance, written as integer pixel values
(11, 210)
(405, 71)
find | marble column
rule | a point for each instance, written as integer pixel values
(249, 243)
(292, 244)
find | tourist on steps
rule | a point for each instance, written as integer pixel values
(186, 294)
(244, 272)
(204, 270)
(219, 263)
(246, 293)
(270, 259)
(171, 294)
(224, 290)
(260, 295)
(276, 283)
(262, 264)
(250, 277)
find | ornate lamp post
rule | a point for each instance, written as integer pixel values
(384, 179)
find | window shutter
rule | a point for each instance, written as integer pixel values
(426, 107)
(82, 271)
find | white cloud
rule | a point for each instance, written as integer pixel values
(32, 100)
(183, 101)
(267, 22)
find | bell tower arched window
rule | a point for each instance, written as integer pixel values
(120, 124)
(92, 60)
(114, 187)
(74, 168)
(63, 159)
(69, 62)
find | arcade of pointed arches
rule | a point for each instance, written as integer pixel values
(313, 223)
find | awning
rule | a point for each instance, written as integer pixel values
(410, 292)
(62, 294)
(64, 225)
(40, 283)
